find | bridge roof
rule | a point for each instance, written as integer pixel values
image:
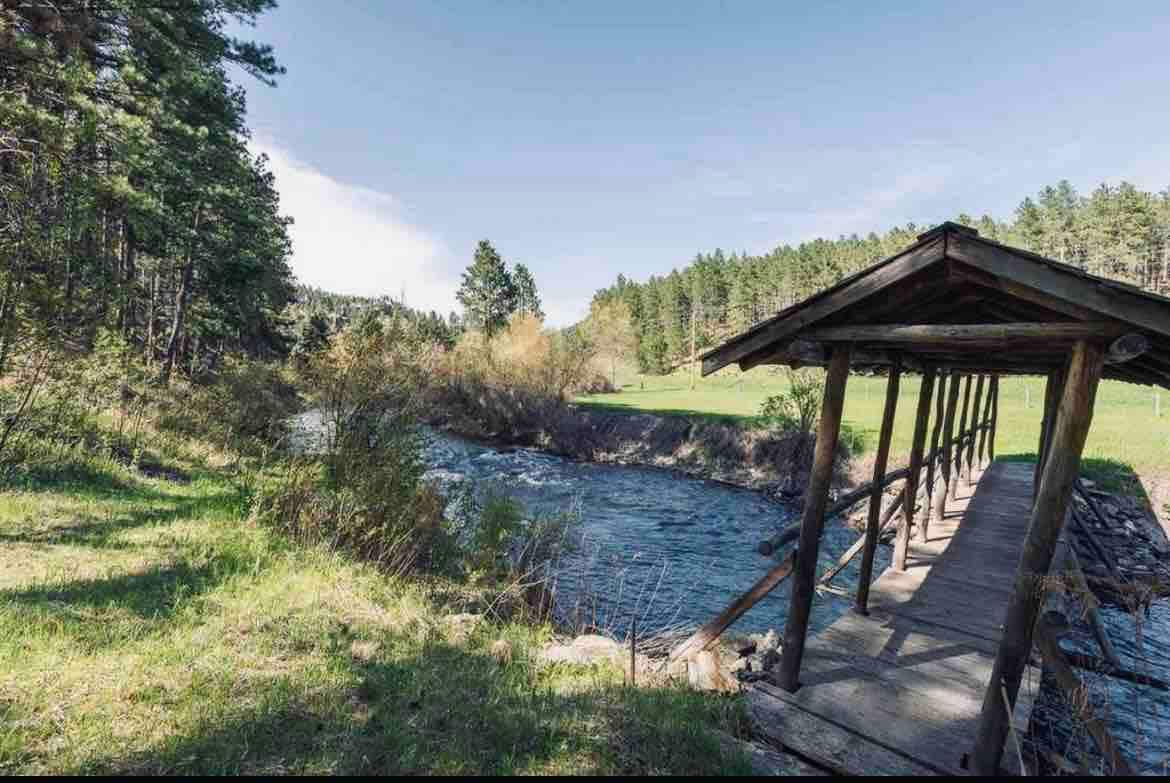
(956, 300)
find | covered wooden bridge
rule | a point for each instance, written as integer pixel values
(925, 675)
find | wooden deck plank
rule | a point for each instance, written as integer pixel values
(905, 685)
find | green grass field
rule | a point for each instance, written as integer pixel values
(146, 626)
(1126, 437)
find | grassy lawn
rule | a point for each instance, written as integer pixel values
(1125, 438)
(147, 627)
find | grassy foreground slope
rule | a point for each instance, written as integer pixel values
(1126, 435)
(146, 626)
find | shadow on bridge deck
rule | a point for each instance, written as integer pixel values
(899, 691)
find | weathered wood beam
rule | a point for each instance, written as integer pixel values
(910, 491)
(882, 456)
(1047, 643)
(799, 353)
(940, 495)
(810, 311)
(1092, 607)
(792, 532)
(1056, 284)
(813, 520)
(1127, 347)
(1074, 415)
(705, 636)
(970, 336)
(953, 482)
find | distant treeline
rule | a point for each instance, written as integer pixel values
(1117, 231)
(317, 315)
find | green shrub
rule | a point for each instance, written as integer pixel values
(795, 410)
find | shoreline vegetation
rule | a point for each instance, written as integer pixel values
(157, 619)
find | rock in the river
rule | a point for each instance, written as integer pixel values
(771, 641)
(765, 661)
(742, 646)
(706, 673)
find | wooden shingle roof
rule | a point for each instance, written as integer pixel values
(960, 301)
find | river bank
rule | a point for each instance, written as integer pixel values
(763, 460)
(151, 626)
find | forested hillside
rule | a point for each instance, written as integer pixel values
(1117, 231)
(130, 204)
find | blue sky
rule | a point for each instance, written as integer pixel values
(588, 139)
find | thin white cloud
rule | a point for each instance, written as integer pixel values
(353, 240)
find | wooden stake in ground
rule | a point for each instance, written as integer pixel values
(813, 520)
(1074, 414)
(702, 638)
(875, 499)
(910, 491)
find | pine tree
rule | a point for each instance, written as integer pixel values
(527, 298)
(488, 293)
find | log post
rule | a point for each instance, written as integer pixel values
(985, 421)
(875, 499)
(994, 418)
(813, 520)
(917, 445)
(1051, 398)
(953, 484)
(1074, 414)
(935, 446)
(940, 497)
(974, 427)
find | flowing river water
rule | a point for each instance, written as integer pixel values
(673, 551)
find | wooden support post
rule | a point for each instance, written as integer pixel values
(910, 491)
(935, 446)
(985, 421)
(1074, 414)
(974, 428)
(813, 520)
(994, 418)
(875, 499)
(953, 483)
(848, 555)
(940, 496)
(1051, 398)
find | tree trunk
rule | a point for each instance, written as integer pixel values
(181, 297)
